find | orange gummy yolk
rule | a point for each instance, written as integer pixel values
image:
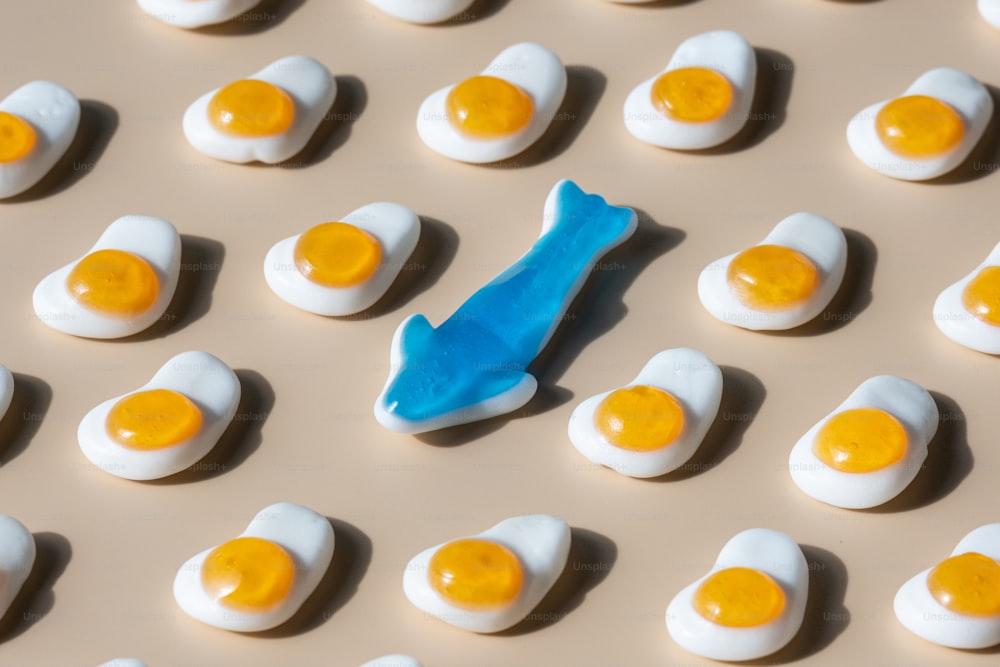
(739, 597)
(17, 137)
(153, 419)
(639, 418)
(487, 107)
(981, 295)
(337, 254)
(772, 278)
(967, 584)
(114, 283)
(860, 440)
(248, 574)
(918, 126)
(476, 574)
(692, 94)
(251, 108)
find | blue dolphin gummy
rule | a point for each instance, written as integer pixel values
(474, 365)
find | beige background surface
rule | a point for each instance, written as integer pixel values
(109, 548)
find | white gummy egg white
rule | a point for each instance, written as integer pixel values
(394, 229)
(40, 117)
(205, 380)
(422, 11)
(921, 613)
(195, 13)
(990, 11)
(815, 237)
(6, 389)
(722, 51)
(912, 407)
(769, 552)
(303, 534)
(954, 319)
(540, 544)
(395, 660)
(123, 662)
(17, 557)
(686, 375)
(153, 240)
(963, 93)
(309, 85)
(533, 69)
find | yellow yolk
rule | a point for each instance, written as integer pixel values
(918, 126)
(981, 295)
(17, 137)
(967, 584)
(861, 440)
(153, 419)
(476, 574)
(248, 574)
(772, 278)
(640, 418)
(692, 94)
(114, 283)
(251, 108)
(337, 254)
(487, 107)
(739, 597)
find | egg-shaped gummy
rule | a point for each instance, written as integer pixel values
(868, 449)
(6, 390)
(500, 112)
(17, 557)
(702, 98)
(749, 605)
(968, 311)
(260, 579)
(122, 286)
(782, 282)
(187, 14)
(268, 117)
(38, 122)
(655, 423)
(990, 11)
(168, 424)
(425, 11)
(394, 660)
(343, 267)
(956, 603)
(927, 131)
(490, 581)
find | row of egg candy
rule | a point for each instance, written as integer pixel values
(253, 582)
(793, 273)
(394, 660)
(187, 14)
(701, 99)
(269, 117)
(750, 604)
(125, 282)
(862, 454)
(753, 600)
(161, 428)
